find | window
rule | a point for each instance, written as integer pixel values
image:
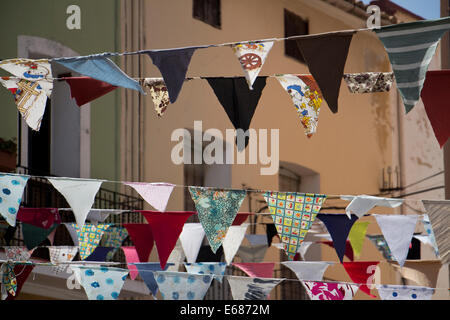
(207, 11)
(294, 26)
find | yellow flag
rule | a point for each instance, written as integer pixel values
(357, 235)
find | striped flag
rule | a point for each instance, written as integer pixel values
(410, 47)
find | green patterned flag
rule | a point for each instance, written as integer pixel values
(410, 47)
(293, 214)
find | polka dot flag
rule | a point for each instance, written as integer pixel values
(11, 191)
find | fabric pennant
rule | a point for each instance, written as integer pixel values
(293, 214)
(11, 192)
(256, 239)
(33, 236)
(396, 292)
(21, 272)
(361, 204)
(435, 96)
(241, 217)
(132, 257)
(89, 237)
(357, 236)
(8, 280)
(176, 257)
(257, 270)
(308, 270)
(215, 269)
(113, 238)
(59, 254)
(252, 56)
(79, 194)
(360, 272)
(166, 228)
(100, 283)
(380, 242)
(439, 215)
(173, 65)
(369, 82)
(238, 101)
(142, 237)
(318, 290)
(217, 210)
(307, 99)
(245, 288)
(159, 94)
(411, 47)
(398, 231)
(191, 239)
(101, 68)
(253, 253)
(100, 215)
(17, 253)
(146, 270)
(325, 56)
(348, 248)
(87, 89)
(182, 285)
(99, 254)
(429, 229)
(233, 241)
(39, 217)
(155, 194)
(339, 227)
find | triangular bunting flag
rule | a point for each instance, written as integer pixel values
(16, 253)
(257, 270)
(252, 56)
(146, 270)
(304, 246)
(173, 65)
(114, 236)
(39, 217)
(428, 228)
(101, 283)
(176, 257)
(33, 236)
(308, 270)
(8, 280)
(156, 194)
(79, 193)
(166, 228)
(420, 272)
(326, 56)
(369, 82)
(89, 237)
(254, 253)
(87, 89)
(100, 215)
(360, 272)
(360, 205)
(182, 285)
(380, 242)
(233, 241)
(21, 272)
(393, 292)
(132, 257)
(398, 231)
(159, 94)
(348, 248)
(410, 47)
(61, 254)
(238, 101)
(357, 236)
(256, 239)
(99, 254)
(245, 288)
(338, 226)
(142, 237)
(11, 191)
(216, 211)
(32, 70)
(439, 214)
(293, 214)
(240, 218)
(101, 68)
(307, 98)
(330, 290)
(191, 239)
(215, 269)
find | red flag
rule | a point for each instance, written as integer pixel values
(436, 96)
(166, 228)
(142, 237)
(86, 89)
(39, 217)
(257, 270)
(360, 272)
(240, 218)
(22, 272)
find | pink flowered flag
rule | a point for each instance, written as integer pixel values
(318, 290)
(156, 194)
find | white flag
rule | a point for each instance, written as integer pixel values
(233, 241)
(191, 239)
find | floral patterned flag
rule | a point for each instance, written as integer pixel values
(100, 283)
(216, 269)
(380, 242)
(307, 99)
(330, 290)
(369, 82)
(11, 191)
(182, 285)
(293, 214)
(159, 94)
(216, 211)
(61, 254)
(9, 281)
(246, 288)
(16, 253)
(395, 292)
(88, 237)
(432, 239)
(252, 56)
